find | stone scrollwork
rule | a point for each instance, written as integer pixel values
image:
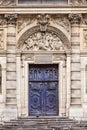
(43, 41)
(7, 2)
(75, 18)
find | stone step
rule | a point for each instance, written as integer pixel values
(44, 117)
(78, 128)
(43, 120)
(39, 122)
(44, 123)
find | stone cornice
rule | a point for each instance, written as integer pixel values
(46, 10)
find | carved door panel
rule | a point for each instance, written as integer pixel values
(43, 84)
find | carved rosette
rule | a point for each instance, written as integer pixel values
(11, 18)
(75, 18)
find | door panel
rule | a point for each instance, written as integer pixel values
(43, 90)
(35, 99)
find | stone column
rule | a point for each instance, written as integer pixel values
(11, 60)
(68, 73)
(75, 104)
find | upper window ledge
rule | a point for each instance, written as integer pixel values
(8, 3)
(59, 2)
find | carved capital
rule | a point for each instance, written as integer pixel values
(75, 18)
(43, 21)
(11, 18)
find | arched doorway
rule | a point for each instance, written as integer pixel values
(43, 57)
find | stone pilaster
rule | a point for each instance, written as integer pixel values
(11, 60)
(75, 20)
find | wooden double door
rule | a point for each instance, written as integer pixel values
(43, 90)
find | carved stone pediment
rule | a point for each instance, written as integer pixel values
(43, 41)
(52, 39)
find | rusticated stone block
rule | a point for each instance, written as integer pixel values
(76, 76)
(75, 67)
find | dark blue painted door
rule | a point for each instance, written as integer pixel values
(43, 90)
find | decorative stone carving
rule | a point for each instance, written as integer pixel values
(62, 21)
(77, 2)
(1, 39)
(57, 57)
(2, 21)
(43, 21)
(75, 18)
(43, 41)
(7, 2)
(24, 21)
(29, 57)
(11, 18)
(85, 38)
(84, 20)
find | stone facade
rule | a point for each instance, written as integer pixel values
(43, 34)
